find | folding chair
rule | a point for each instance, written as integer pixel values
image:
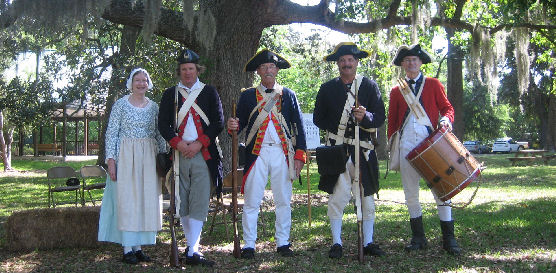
(54, 175)
(92, 172)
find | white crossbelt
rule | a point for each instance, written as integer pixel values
(190, 102)
(339, 136)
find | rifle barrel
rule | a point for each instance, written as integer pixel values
(237, 249)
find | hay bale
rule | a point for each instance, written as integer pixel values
(53, 228)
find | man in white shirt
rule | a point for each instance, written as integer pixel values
(200, 120)
(275, 147)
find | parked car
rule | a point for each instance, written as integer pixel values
(506, 145)
(476, 146)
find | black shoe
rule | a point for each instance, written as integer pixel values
(248, 253)
(130, 258)
(285, 251)
(335, 251)
(373, 250)
(197, 259)
(141, 257)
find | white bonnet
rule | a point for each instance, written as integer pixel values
(133, 72)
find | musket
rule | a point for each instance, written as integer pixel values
(359, 197)
(173, 178)
(308, 188)
(237, 249)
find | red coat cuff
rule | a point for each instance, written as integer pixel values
(174, 142)
(205, 140)
(301, 155)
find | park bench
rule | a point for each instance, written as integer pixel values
(526, 155)
(49, 147)
(92, 147)
(515, 160)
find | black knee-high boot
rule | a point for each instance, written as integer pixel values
(418, 239)
(448, 239)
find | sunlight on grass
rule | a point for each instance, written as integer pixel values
(509, 227)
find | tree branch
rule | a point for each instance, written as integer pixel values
(170, 25)
(459, 9)
(394, 6)
(526, 25)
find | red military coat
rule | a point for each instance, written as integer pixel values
(433, 99)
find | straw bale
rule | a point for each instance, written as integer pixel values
(48, 228)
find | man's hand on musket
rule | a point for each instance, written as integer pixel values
(233, 124)
(298, 165)
(359, 112)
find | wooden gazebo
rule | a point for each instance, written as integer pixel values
(73, 112)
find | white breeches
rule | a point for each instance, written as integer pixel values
(270, 163)
(343, 191)
(412, 135)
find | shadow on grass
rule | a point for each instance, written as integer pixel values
(495, 237)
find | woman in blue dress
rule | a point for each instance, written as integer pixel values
(131, 211)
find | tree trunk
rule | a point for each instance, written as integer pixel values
(35, 142)
(6, 157)
(551, 132)
(9, 138)
(454, 84)
(21, 143)
(117, 81)
(65, 133)
(237, 38)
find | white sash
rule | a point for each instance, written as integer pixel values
(413, 103)
(269, 102)
(190, 102)
(339, 136)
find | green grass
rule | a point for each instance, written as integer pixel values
(509, 227)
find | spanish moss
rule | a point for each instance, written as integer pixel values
(54, 12)
(500, 39)
(521, 36)
(150, 21)
(474, 61)
(188, 13)
(414, 21)
(206, 30)
(424, 16)
(488, 65)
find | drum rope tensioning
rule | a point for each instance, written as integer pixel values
(446, 165)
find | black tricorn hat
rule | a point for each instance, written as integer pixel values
(266, 56)
(414, 50)
(346, 48)
(188, 56)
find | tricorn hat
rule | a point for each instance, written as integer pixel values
(188, 56)
(266, 56)
(414, 50)
(346, 48)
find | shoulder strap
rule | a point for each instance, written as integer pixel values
(190, 102)
(342, 125)
(413, 103)
(269, 103)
